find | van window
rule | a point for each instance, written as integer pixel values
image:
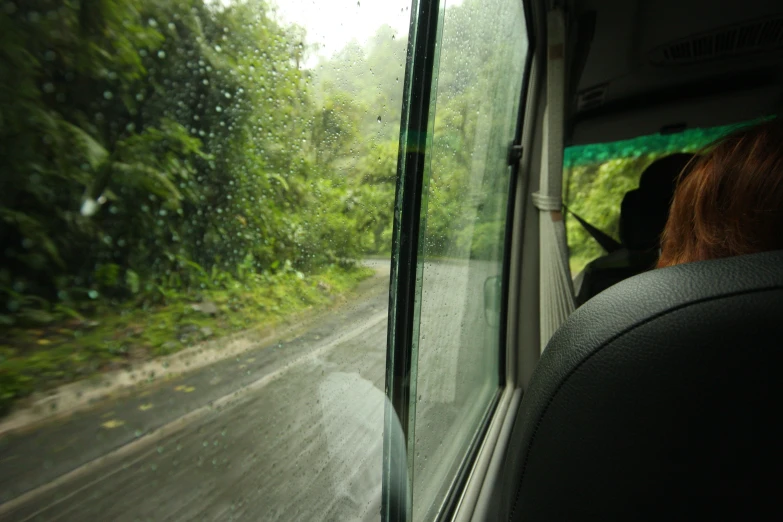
(476, 99)
(597, 176)
(196, 207)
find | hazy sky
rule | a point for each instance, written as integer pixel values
(331, 24)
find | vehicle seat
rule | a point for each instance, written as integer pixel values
(658, 400)
(643, 215)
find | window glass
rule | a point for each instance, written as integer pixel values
(196, 203)
(476, 98)
(597, 176)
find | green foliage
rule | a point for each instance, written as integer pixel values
(474, 123)
(486, 239)
(138, 137)
(50, 354)
(157, 151)
(595, 193)
(107, 275)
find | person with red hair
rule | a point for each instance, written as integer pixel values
(731, 201)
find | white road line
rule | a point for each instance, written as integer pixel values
(170, 428)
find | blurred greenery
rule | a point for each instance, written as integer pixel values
(129, 332)
(156, 153)
(474, 124)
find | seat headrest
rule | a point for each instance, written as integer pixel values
(658, 399)
(644, 211)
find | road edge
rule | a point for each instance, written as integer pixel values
(71, 398)
(143, 443)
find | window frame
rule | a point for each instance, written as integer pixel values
(396, 500)
(418, 99)
(485, 496)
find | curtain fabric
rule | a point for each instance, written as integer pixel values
(557, 293)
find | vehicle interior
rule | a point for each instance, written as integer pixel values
(650, 400)
(258, 269)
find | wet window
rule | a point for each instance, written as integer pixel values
(196, 202)
(476, 98)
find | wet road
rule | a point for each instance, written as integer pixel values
(288, 432)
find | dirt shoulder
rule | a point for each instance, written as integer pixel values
(67, 399)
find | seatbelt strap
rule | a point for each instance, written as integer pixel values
(606, 241)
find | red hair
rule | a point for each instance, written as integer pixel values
(731, 201)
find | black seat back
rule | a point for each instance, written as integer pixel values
(659, 399)
(644, 211)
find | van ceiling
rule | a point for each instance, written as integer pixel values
(653, 65)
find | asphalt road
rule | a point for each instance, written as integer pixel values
(288, 432)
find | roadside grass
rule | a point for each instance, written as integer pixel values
(36, 359)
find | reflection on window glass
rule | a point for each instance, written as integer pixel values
(196, 205)
(479, 80)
